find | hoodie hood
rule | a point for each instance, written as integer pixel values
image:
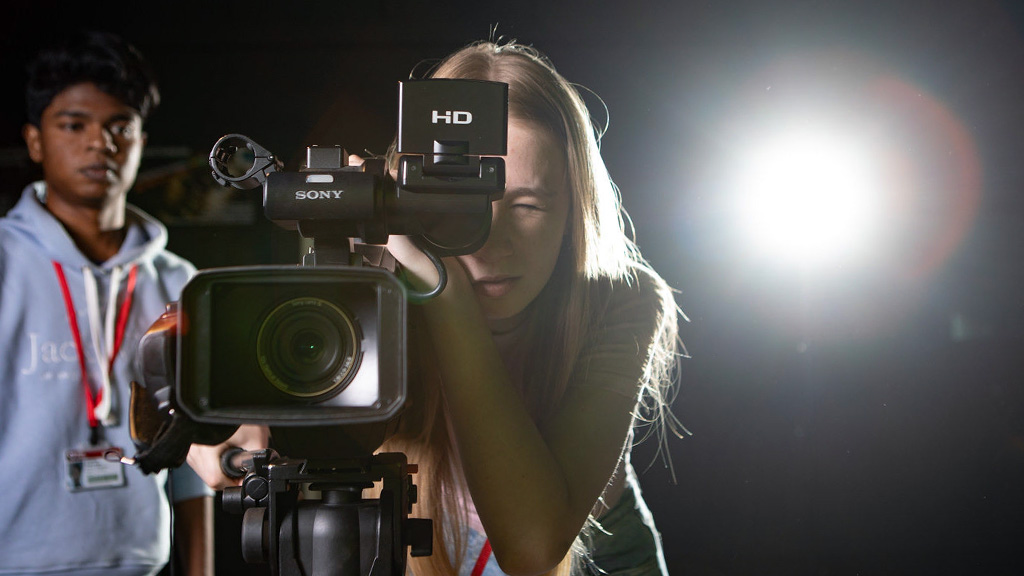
(30, 220)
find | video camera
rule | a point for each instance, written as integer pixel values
(317, 352)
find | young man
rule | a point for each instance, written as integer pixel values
(83, 275)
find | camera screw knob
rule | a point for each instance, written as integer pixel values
(256, 488)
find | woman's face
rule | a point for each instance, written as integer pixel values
(528, 224)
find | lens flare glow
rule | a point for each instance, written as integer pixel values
(808, 197)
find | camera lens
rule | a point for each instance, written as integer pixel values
(308, 347)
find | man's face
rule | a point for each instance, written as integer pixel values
(89, 144)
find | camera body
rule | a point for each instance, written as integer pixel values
(317, 352)
(322, 345)
(291, 346)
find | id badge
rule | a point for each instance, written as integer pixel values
(93, 468)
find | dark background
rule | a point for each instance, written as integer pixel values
(868, 421)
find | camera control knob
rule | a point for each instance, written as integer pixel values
(419, 536)
(256, 488)
(254, 525)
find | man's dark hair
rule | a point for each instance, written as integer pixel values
(106, 60)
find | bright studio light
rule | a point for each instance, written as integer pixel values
(808, 197)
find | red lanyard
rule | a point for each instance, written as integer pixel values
(481, 561)
(122, 321)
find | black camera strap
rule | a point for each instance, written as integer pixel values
(163, 442)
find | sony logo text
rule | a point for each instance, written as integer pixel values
(452, 117)
(318, 194)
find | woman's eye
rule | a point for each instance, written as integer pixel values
(528, 207)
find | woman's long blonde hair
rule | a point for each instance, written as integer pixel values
(598, 252)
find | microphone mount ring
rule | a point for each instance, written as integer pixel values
(225, 149)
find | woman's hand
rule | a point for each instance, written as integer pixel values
(206, 460)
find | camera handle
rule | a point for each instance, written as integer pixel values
(331, 241)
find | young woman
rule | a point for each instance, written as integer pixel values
(545, 350)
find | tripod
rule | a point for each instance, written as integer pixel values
(341, 534)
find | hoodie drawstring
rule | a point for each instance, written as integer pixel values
(100, 407)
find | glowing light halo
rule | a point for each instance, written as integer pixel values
(927, 181)
(809, 195)
(866, 127)
(942, 172)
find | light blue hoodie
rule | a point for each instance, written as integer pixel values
(43, 526)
